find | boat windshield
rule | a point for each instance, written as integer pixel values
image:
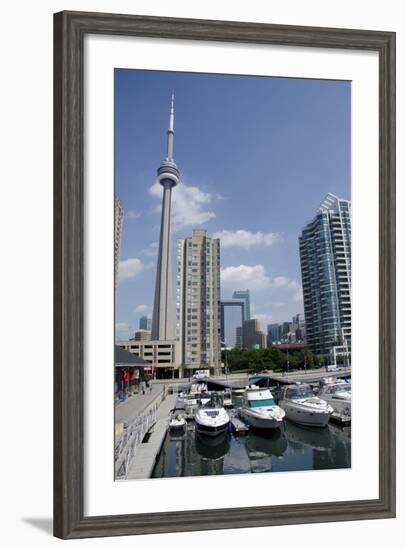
(214, 402)
(336, 388)
(299, 392)
(261, 403)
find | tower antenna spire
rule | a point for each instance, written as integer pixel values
(171, 131)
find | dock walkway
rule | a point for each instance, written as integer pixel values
(143, 463)
(239, 427)
(133, 406)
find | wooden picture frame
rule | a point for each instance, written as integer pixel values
(69, 518)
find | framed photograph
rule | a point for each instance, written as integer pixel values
(224, 350)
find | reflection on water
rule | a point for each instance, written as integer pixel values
(291, 448)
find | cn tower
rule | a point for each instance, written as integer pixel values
(168, 177)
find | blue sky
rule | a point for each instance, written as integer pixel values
(256, 156)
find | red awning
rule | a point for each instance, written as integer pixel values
(150, 368)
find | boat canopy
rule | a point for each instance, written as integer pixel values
(299, 391)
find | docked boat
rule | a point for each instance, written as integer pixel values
(303, 407)
(193, 400)
(227, 399)
(211, 418)
(337, 393)
(177, 420)
(259, 409)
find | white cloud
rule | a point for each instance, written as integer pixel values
(130, 268)
(189, 205)
(298, 296)
(254, 277)
(133, 214)
(245, 239)
(143, 308)
(280, 281)
(245, 276)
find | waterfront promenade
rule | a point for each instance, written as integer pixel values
(137, 416)
(142, 465)
(133, 406)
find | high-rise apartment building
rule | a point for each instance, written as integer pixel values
(198, 300)
(244, 295)
(325, 258)
(118, 228)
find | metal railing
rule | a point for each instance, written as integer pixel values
(128, 441)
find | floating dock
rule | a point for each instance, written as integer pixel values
(238, 426)
(340, 418)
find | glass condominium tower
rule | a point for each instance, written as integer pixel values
(325, 258)
(244, 295)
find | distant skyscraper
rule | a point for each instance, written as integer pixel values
(244, 295)
(252, 335)
(298, 326)
(142, 335)
(232, 316)
(145, 323)
(118, 228)
(273, 333)
(168, 177)
(198, 300)
(325, 257)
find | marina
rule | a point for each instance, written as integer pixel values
(189, 429)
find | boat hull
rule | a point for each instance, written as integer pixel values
(260, 422)
(299, 415)
(211, 431)
(177, 427)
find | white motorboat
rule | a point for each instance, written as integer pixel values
(337, 393)
(211, 418)
(260, 410)
(303, 407)
(193, 400)
(177, 420)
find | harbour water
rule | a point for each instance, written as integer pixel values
(292, 448)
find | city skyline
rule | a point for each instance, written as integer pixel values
(258, 230)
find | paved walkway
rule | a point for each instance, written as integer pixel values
(146, 454)
(133, 406)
